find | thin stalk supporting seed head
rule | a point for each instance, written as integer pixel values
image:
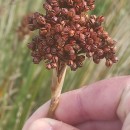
(68, 35)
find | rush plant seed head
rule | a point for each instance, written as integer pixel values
(68, 35)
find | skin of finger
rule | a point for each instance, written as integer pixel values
(126, 125)
(50, 124)
(101, 125)
(40, 113)
(72, 110)
(124, 105)
(98, 101)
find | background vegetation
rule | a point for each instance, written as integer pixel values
(25, 86)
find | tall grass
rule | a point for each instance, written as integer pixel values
(25, 86)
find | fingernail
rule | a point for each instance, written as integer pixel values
(51, 122)
(42, 124)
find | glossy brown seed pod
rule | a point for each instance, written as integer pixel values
(42, 32)
(109, 63)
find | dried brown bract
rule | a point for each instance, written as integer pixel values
(68, 35)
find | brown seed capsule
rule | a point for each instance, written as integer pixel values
(76, 18)
(48, 66)
(86, 8)
(92, 21)
(31, 27)
(68, 47)
(53, 51)
(55, 59)
(48, 26)
(57, 10)
(64, 11)
(71, 12)
(41, 20)
(100, 19)
(71, 33)
(72, 42)
(47, 6)
(79, 64)
(53, 3)
(42, 31)
(63, 23)
(58, 27)
(92, 7)
(97, 24)
(72, 57)
(77, 48)
(50, 42)
(97, 61)
(82, 20)
(114, 59)
(82, 37)
(52, 13)
(35, 15)
(48, 56)
(74, 67)
(61, 41)
(100, 52)
(36, 60)
(113, 49)
(70, 2)
(70, 63)
(105, 35)
(53, 65)
(106, 49)
(89, 54)
(48, 50)
(60, 54)
(54, 20)
(88, 48)
(90, 41)
(77, 35)
(71, 52)
(94, 48)
(109, 63)
(31, 46)
(81, 58)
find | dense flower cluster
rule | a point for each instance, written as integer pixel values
(67, 34)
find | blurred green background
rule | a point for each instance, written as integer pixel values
(25, 86)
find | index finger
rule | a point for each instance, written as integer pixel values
(98, 101)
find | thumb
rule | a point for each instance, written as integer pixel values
(50, 124)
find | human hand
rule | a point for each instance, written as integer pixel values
(104, 105)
